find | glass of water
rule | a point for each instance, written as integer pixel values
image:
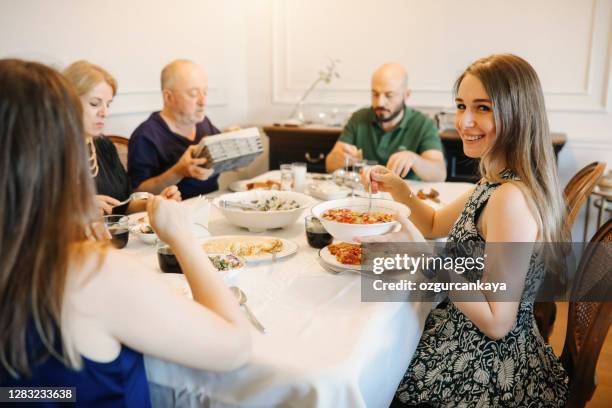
(359, 165)
(299, 176)
(286, 177)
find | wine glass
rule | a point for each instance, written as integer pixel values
(352, 180)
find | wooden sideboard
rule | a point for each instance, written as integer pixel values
(311, 145)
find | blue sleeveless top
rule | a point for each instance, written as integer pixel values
(119, 383)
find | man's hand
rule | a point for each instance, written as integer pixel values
(188, 166)
(171, 193)
(350, 152)
(340, 154)
(400, 163)
(105, 204)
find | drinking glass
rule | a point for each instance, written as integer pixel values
(352, 180)
(359, 165)
(299, 176)
(286, 177)
(166, 258)
(316, 234)
(366, 171)
(117, 226)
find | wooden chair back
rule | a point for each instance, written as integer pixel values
(576, 193)
(579, 188)
(121, 144)
(589, 316)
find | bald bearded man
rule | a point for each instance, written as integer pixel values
(389, 132)
(160, 149)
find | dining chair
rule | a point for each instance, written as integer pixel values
(121, 144)
(589, 317)
(578, 189)
(575, 193)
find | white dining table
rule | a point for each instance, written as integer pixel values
(323, 347)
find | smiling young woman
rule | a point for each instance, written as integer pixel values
(488, 352)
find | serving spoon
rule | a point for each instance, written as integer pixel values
(242, 299)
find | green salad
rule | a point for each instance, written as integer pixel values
(225, 262)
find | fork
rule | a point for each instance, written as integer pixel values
(141, 195)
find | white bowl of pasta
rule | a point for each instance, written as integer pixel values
(348, 218)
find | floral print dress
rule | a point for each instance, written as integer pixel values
(456, 365)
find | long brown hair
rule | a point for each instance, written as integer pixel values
(523, 143)
(45, 207)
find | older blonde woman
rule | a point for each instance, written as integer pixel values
(97, 88)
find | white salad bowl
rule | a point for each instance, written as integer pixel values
(257, 220)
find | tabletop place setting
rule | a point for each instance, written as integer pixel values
(292, 262)
(268, 214)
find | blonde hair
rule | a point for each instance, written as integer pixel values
(523, 143)
(84, 76)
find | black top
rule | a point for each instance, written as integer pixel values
(112, 180)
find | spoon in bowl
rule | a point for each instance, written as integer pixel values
(242, 299)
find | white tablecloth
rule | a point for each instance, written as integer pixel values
(324, 347)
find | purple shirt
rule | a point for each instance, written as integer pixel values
(154, 148)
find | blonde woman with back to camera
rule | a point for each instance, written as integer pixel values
(73, 311)
(487, 351)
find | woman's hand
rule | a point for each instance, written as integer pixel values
(408, 233)
(105, 204)
(170, 220)
(383, 179)
(171, 193)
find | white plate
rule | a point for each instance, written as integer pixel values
(289, 247)
(239, 186)
(331, 261)
(327, 190)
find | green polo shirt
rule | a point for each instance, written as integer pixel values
(416, 132)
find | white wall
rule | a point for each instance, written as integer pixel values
(134, 39)
(262, 54)
(567, 41)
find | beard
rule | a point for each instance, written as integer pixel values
(190, 117)
(394, 114)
